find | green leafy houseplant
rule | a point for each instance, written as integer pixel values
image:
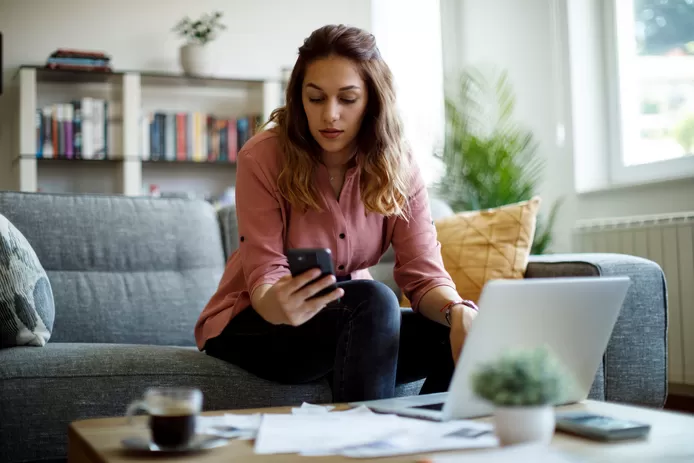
(489, 160)
(684, 133)
(521, 378)
(202, 30)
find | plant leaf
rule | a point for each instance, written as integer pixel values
(489, 159)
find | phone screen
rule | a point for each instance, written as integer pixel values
(302, 260)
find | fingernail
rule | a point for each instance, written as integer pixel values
(332, 278)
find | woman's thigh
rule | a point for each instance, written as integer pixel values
(282, 353)
(297, 354)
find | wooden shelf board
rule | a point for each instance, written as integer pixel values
(65, 160)
(121, 159)
(189, 162)
(44, 74)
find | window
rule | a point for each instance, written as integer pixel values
(652, 89)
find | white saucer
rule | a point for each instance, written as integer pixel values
(200, 442)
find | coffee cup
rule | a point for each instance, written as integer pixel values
(172, 415)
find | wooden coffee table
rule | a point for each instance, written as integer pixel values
(671, 440)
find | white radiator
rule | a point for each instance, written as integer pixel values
(668, 240)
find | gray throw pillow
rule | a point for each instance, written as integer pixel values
(27, 309)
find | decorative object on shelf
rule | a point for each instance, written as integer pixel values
(489, 159)
(523, 385)
(79, 60)
(195, 56)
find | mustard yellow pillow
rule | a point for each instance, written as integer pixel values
(478, 246)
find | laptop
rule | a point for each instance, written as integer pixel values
(573, 316)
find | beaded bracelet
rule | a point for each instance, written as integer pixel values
(450, 304)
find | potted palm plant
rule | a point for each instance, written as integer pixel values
(489, 160)
(523, 385)
(195, 56)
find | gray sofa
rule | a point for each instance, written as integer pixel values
(131, 275)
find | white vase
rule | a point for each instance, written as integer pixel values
(196, 60)
(514, 425)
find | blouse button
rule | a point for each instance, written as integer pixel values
(342, 236)
(242, 238)
(341, 267)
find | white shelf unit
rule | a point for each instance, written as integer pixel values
(124, 171)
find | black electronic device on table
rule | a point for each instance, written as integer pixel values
(601, 427)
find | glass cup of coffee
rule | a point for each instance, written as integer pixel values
(172, 414)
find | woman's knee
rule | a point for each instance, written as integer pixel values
(374, 297)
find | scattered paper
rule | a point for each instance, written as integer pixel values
(322, 433)
(313, 430)
(425, 436)
(310, 408)
(361, 409)
(535, 453)
(318, 430)
(230, 426)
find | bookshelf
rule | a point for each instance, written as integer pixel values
(131, 160)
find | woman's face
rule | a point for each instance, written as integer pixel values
(334, 97)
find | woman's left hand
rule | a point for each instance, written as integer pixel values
(461, 321)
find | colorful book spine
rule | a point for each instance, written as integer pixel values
(193, 136)
(87, 128)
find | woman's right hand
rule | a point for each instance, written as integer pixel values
(286, 302)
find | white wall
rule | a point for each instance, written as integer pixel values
(261, 37)
(516, 36)
(408, 33)
(528, 39)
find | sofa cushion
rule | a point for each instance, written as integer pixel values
(26, 298)
(129, 270)
(488, 244)
(97, 380)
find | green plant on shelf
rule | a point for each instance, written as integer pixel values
(202, 30)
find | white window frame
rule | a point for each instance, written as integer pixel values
(623, 107)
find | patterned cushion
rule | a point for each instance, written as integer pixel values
(478, 246)
(27, 310)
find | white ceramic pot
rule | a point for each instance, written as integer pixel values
(514, 425)
(196, 60)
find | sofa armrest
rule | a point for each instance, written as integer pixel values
(229, 229)
(635, 361)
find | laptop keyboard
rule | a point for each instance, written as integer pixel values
(438, 406)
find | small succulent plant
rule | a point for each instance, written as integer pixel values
(522, 377)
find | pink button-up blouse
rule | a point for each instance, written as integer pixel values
(268, 226)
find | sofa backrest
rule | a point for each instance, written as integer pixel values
(123, 269)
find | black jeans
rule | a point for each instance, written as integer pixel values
(365, 340)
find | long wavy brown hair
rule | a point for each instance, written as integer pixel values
(385, 162)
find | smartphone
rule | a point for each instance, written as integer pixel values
(302, 260)
(600, 427)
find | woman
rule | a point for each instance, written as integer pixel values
(335, 173)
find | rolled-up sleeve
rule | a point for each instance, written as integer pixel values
(418, 263)
(260, 224)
